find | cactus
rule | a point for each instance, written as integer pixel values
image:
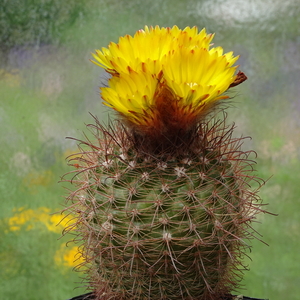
(165, 196)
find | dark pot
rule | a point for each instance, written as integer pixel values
(90, 296)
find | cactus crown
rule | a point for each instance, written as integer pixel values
(164, 200)
(164, 80)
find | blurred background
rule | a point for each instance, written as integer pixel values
(48, 87)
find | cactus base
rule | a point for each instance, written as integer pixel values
(91, 296)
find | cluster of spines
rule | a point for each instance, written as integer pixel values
(180, 217)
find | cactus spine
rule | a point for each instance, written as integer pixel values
(164, 201)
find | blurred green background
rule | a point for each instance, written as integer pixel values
(48, 87)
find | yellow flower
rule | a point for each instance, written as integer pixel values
(30, 219)
(131, 93)
(163, 73)
(149, 47)
(68, 257)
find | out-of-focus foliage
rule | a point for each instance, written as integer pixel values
(36, 22)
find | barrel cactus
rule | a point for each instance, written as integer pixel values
(164, 198)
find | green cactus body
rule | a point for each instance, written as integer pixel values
(169, 226)
(164, 198)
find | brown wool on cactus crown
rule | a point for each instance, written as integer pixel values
(161, 224)
(172, 126)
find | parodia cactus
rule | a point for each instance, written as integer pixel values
(164, 202)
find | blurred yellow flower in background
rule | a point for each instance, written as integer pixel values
(12, 78)
(68, 257)
(30, 219)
